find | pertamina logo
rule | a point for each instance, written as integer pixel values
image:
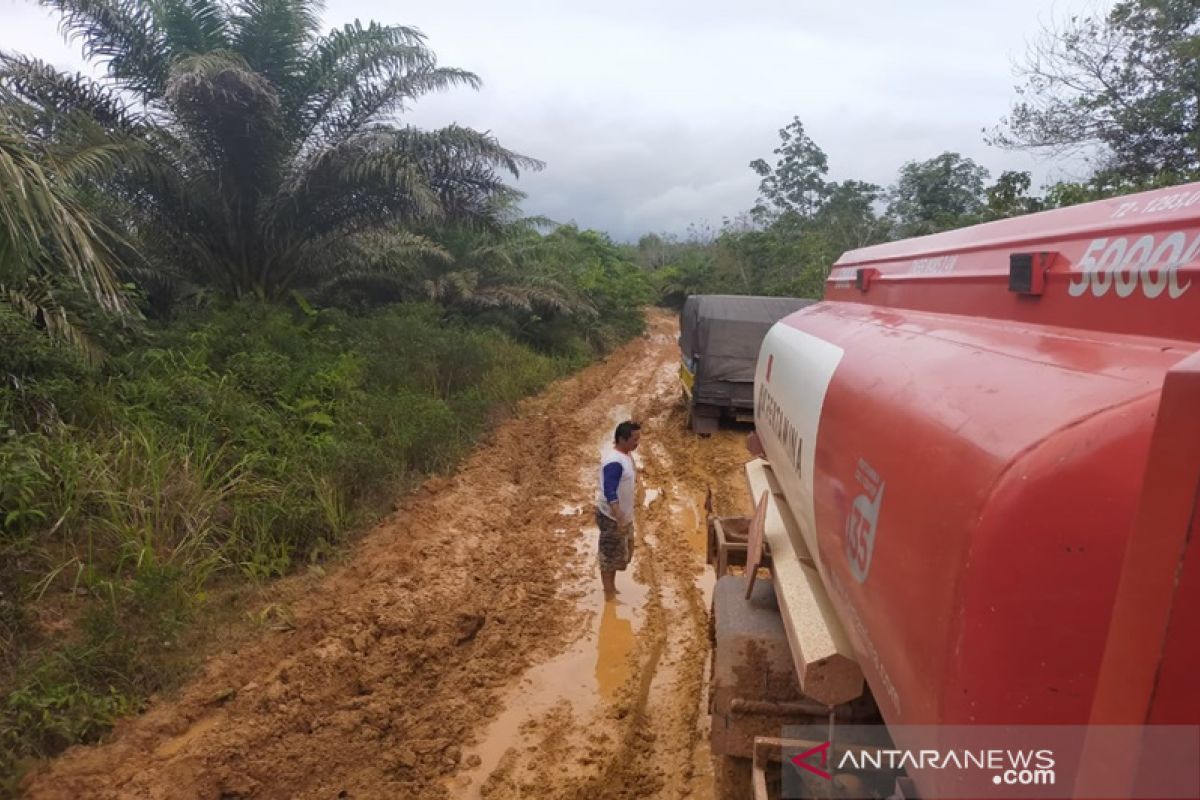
(862, 520)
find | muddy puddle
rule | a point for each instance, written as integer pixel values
(586, 675)
(596, 664)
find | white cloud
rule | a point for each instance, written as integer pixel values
(648, 113)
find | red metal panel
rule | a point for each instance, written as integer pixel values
(1010, 458)
(1177, 694)
(1163, 209)
(1043, 569)
(1148, 672)
(1128, 265)
(1156, 590)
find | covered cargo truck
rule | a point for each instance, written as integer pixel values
(981, 457)
(719, 339)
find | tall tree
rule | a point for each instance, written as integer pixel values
(945, 192)
(655, 251)
(264, 151)
(796, 183)
(1123, 87)
(848, 218)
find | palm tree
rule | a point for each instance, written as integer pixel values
(465, 269)
(511, 269)
(260, 153)
(48, 240)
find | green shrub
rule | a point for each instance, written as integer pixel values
(243, 442)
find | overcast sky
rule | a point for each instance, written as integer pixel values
(648, 113)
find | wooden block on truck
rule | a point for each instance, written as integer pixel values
(825, 664)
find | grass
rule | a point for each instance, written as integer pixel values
(230, 446)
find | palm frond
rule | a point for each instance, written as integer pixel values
(195, 26)
(86, 152)
(339, 257)
(125, 35)
(375, 251)
(364, 102)
(524, 297)
(356, 42)
(32, 85)
(274, 36)
(392, 246)
(448, 147)
(41, 223)
(364, 182)
(354, 57)
(533, 225)
(380, 263)
(466, 170)
(37, 303)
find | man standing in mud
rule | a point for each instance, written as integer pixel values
(614, 504)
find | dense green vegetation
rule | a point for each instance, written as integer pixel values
(236, 443)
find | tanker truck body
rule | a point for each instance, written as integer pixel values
(982, 459)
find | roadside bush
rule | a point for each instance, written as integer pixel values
(239, 443)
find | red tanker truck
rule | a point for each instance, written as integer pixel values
(980, 457)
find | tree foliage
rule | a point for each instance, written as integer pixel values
(1009, 196)
(260, 151)
(795, 184)
(934, 195)
(1121, 86)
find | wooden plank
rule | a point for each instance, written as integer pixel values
(825, 662)
(754, 543)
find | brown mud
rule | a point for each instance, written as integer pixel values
(464, 648)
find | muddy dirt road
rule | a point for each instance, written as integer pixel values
(464, 649)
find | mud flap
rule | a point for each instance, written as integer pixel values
(704, 419)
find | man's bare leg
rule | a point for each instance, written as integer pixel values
(608, 579)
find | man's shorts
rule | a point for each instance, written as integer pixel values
(616, 548)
